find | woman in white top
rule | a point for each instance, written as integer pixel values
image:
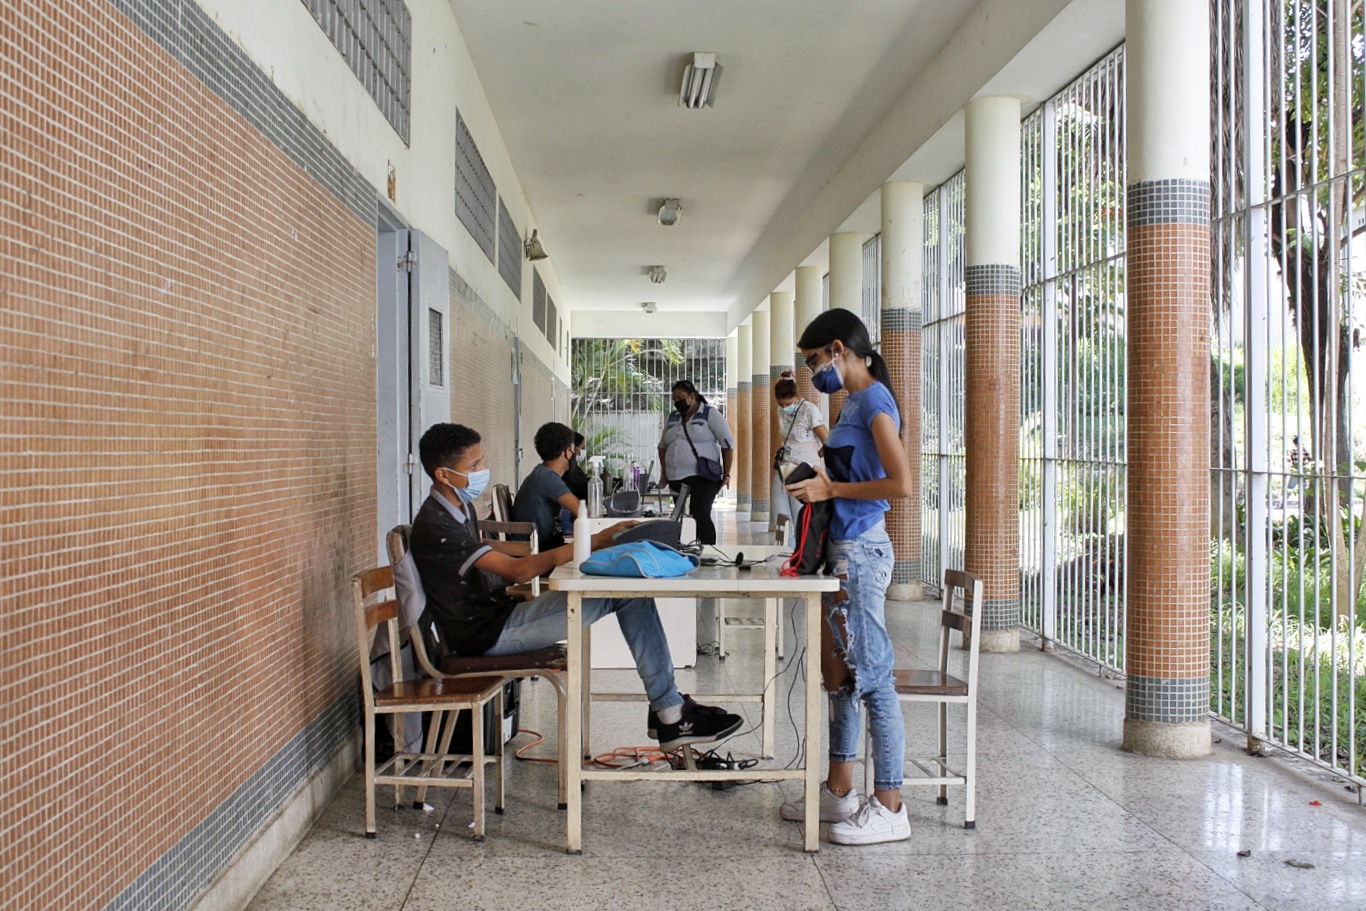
(802, 431)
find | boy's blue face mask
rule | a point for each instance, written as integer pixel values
(479, 482)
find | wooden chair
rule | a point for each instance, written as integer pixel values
(502, 503)
(376, 605)
(938, 686)
(436, 661)
(516, 539)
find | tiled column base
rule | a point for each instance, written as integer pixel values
(761, 454)
(1167, 522)
(1000, 625)
(740, 467)
(1168, 741)
(992, 437)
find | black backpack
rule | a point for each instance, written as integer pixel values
(810, 553)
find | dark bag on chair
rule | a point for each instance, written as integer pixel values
(810, 553)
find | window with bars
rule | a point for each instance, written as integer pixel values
(476, 197)
(509, 250)
(375, 39)
(538, 300)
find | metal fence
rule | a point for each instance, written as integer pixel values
(942, 461)
(1072, 366)
(1288, 617)
(620, 392)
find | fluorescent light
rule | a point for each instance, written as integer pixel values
(699, 78)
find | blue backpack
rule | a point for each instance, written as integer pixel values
(641, 559)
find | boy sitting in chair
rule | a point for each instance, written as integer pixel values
(465, 582)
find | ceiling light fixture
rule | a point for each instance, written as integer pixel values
(648, 306)
(657, 274)
(533, 248)
(699, 80)
(669, 212)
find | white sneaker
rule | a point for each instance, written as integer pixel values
(871, 825)
(833, 809)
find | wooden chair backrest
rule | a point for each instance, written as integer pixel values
(502, 503)
(967, 621)
(374, 603)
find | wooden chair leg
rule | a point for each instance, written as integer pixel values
(943, 750)
(369, 774)
(477, 773)
(970, 772)
(500, 754)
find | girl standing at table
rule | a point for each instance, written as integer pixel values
(865, 466)
(802, 428)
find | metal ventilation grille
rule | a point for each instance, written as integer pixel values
(375, 38)
(476, 197)
(538, 300)
(552, 320)
(436, 349)
(509, 251)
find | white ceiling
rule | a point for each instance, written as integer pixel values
(819, 102)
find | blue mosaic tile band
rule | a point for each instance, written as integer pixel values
(759, 380)
(742, 502)
(1167, 202)
(775, 371)
(758, 505)
(189, 35)
(993, 279)
(1000, 614)
(904, 571)
(732, 392)
(1164, 700)
(744, 387)
(181, 875)
(902, 320)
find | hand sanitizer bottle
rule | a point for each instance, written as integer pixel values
(583, 535)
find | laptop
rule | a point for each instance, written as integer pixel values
(666, 531)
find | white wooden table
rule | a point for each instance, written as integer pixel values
(722, 581)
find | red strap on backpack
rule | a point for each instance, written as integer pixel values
(791, 563)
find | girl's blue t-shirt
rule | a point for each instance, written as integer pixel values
(851, 455)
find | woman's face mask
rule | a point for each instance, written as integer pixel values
(681, 405)
(827, 377)
(790, 409)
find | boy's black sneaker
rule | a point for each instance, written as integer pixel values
(699, 724)
(652, 719)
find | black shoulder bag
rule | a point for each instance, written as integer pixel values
(708, 469)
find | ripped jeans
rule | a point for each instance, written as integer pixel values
(867, 651)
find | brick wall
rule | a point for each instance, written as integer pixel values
(187, 416)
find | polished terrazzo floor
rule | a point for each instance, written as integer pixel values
(1064, 818)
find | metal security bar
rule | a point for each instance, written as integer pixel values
(1288, 460)
(943, 460)
(620, 394)
(375, 37)
(1072, 355)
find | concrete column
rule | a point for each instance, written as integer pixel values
(733, 395)
(903, 247)
(781, 347)
(992, 368)
(807, 306)
(1166, 626)
(744, 344)
(760, 415)
(846, 288)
